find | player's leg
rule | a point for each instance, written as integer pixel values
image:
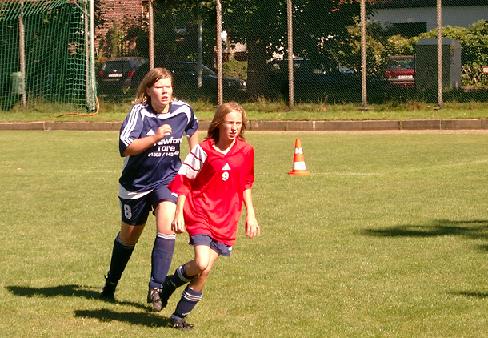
(134, 216)
(193, 293)
(164, 245)
(124, 244)
(172, 282)
(186, 272)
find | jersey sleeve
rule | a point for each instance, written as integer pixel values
(189, 170)
(192, 125)
(249, 178)
(131, 128)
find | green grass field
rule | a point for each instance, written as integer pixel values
(388, 237)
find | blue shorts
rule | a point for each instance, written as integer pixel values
(136, 211)
(218, 247)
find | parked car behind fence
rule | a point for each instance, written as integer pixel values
(121, 75)
(312, 83)
(185, 74)
(400, 71)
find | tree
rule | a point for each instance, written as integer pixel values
(319, 28)
(176, 29)
(378, 48)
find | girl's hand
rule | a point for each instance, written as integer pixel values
(252, 227)
(178, 224)
(163, 131)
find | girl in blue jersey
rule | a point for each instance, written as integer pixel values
(150, 140)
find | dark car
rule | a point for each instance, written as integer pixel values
(400, 71)
(185, 77)
(121, 75)
(312, 82)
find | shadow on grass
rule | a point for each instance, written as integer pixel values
(67, 290)
(472, 229)
(483, 247)
(472, 294)
(475, 229)
(136, 318)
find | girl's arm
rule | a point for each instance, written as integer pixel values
(193, 140)
(252, 226)
(178, 224)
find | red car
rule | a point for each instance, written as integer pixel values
(400, 71)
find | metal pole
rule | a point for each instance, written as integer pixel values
(86, 21)
(22, 58)
(439, 54)
(92, 105)
(291, 56)
(200, 51)
(151, 35)
(363, 55)
(219, 52)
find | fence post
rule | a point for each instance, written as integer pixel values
(219, 52)
(91, 99)
(439, 54)
(200, 51)
(291, 55)
(151, 35)
(22, 57)
(363, 55)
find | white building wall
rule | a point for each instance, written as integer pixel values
(451, 15)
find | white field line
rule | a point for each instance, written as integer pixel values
(62, 171)
(401, 170)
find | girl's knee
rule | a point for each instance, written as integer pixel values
(204, 274)
(163, 226)
(201, 265)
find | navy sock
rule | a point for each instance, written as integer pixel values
(178, 279)
(189, 298)
(120, 256)
(162, 254)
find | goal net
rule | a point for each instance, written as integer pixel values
(46, 53)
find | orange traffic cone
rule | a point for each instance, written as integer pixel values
(299, 167)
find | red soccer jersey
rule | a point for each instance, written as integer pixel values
(214, 183)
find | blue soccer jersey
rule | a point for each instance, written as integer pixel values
(159, 163)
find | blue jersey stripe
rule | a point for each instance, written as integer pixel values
(133, 117)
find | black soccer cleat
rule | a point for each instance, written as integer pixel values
(179, 323)
(166, 291)
(108, 291)
(154, 299)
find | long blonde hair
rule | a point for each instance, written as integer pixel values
(219, 116)
(151, 77)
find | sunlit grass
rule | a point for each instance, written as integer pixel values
(386, 237)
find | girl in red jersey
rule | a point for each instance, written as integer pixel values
(212, 184)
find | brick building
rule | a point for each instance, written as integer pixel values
(119, 15)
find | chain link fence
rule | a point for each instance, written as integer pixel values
(45, 53)
(317, 53)
(254, 51)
